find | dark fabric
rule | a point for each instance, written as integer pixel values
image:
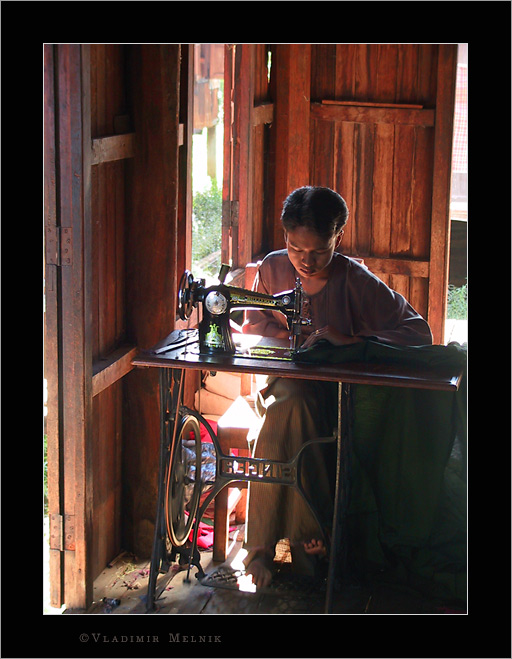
(407, 511)
(432, 356)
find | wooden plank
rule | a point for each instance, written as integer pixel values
(228, 152)
(241, 232)
(344, 77)
(418, 294)
(407, 72)
(51, 325)
(385, 83)
(113, 147)
(323, 71)
(382, 190)
(365, 114)
(403, 185)
(363, 176)
(364, 72)
(74, 202)
(344, 178)
(261, 78)
(292, 125)
(322, 154)
(186, 118)
(108, 370)
(440, 228)
(258, 238)
(422, 193)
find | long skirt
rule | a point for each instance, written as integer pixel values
(296, 411)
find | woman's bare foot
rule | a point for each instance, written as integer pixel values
(259, 568)
(315, 547)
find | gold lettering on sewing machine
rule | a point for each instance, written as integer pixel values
(248, 299)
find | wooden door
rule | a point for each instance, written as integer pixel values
(111, 204)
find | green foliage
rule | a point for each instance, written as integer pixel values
(457, 302)
(207, 230)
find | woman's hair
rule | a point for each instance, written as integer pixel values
(316, 208)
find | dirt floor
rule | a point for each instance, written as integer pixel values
(125, 585)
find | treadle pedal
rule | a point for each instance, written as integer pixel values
(284, 585)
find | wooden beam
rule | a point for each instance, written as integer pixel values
(373, 114)
(112, 368)
(114, 147)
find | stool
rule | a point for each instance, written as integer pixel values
(233, 428)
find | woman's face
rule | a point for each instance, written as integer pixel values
(310, 253)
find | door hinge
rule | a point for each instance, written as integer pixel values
(58, 245)
(62, 532)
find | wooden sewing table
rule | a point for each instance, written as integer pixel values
(271, 359)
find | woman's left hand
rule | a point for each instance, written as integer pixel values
(332, 335)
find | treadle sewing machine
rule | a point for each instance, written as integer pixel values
(181, 481)
(181, 473)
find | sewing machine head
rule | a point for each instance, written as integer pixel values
(215, 334)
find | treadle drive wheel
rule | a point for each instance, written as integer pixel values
(183, 481)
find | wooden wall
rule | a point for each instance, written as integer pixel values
(372, 121)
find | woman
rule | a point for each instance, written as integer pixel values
(346, 303)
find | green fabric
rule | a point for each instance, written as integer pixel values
(407, 515)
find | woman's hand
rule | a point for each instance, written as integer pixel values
(332, 335)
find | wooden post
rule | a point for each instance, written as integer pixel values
(292, 125)
(241, 226)
(70, 474)
(440, 227)
(151, 278)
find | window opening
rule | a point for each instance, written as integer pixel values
(207, 160)
(457, 307)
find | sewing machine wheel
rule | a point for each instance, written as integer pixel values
(184, 481)
(185, 304)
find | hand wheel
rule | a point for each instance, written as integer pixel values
(184, 483)
(185, 301)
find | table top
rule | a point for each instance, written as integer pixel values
(260, 355)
